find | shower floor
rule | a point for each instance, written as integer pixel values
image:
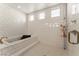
(42, 49)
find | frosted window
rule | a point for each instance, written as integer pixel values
(78, 8)
(42, 15)
(73, 9)
(55, 13)
(31, 18)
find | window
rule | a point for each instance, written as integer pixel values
(55, 13)
(78, 8)
(42, 15)
(73, 9)
(31, 18)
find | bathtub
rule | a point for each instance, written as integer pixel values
(16, 48)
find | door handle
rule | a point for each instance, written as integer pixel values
(75, 33)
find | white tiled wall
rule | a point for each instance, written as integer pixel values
(72, 49)
(41, 28)
(12, 22)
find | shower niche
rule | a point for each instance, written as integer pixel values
(73, 37)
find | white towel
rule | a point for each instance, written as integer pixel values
(4, 40)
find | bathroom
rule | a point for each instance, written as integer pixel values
(39, 29)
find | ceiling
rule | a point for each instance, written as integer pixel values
(30, 7)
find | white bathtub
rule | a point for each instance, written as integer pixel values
(17, 47)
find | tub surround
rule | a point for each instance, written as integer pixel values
(23, 45)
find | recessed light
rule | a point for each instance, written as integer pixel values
(18, 6)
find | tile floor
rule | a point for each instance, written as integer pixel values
(45, 50)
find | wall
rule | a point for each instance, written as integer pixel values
(44, 29)
(13, 23)
(72, 49)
